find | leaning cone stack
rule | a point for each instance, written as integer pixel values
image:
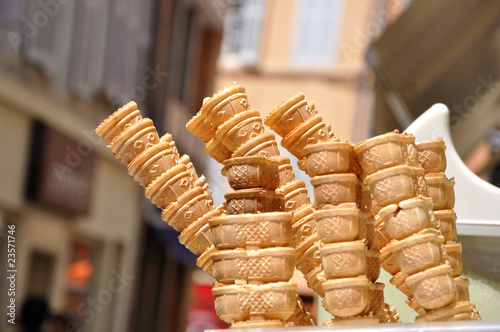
(171, 183)
(170, 180)
(432, 158)
(346, 235)
(297, 122)
(226, 121)
(342, 203)
(413, 249)
(231, 130)
(405, 223)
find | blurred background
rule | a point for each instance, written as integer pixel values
(91, 253)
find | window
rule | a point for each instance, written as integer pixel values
(243, 30)
(10, 37)
(80, 284)
(316, 36)
(129, 40)
(48, 41)
(86, 63)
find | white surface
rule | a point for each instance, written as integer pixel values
(477, 202)
(469, 326)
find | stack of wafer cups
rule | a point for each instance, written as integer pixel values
(230, 128)
(234, 133)
(413, 249)
(297, 122)
(351, 268)
(253, 266)
(170, 180)
(338, 254)
(432, 158)
(390, 162)
(346, 233)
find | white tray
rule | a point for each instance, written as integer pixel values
(466, 326)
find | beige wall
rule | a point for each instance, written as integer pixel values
(334, 101)
(14, 143)
(112, 223)
(359, 24)
(334, 89)
(277, 35)
(48, 233)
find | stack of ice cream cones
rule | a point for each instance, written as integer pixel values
(235, 135)
(253, 265)
(170, 180)
(413, 250)
(346, 235)
(338, 252)
(171, 183)
(298, 123)
(432, 159)
(405, 224)
(230, 128)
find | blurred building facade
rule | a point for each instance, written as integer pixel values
(278, 48)
(85, 239)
